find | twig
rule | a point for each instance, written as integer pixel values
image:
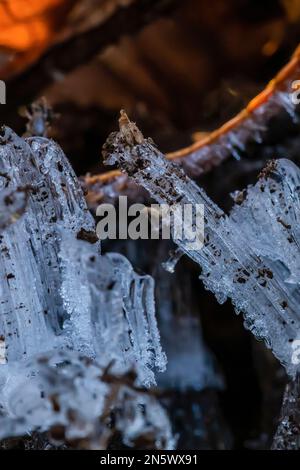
(229, 139)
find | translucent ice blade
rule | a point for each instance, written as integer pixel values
(235, 264)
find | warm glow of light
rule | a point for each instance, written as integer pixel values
(270, 47)
(26, 23)
(22, 37)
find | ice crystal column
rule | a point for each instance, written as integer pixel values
(251, 256)
(191, 366)
(287, 436)
(58, 290)
(189, 384)
(58, 294)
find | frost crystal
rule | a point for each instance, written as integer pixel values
(251, 256)
(79, 403)
(191, 366)
(234, 141)
(58, 294)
